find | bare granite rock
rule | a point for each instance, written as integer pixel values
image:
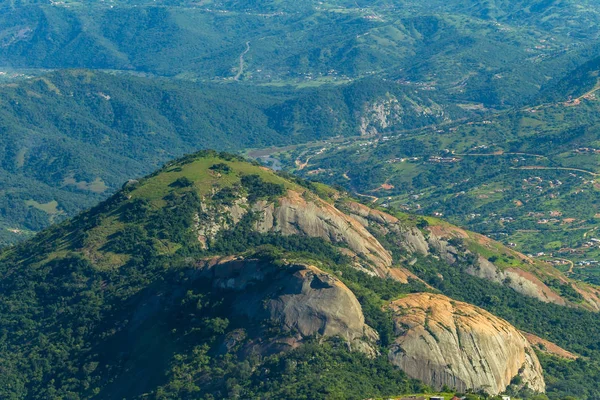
(445, 342)
(408, 237)
(316, 218)
(299, 298)
(520, 281)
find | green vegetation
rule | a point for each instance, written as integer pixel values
(72, 137)
(526, 177)
(257, 188)
(113, 316)
(571, 379)
(483, 113)
(314, 371)
(110, 303)
(479, 53)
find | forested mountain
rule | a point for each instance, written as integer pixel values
(496, 52)
(577, 83)
(71, 138)
(218, 278)
(468, 129)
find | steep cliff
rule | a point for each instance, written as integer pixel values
(406, 236)
(390, 111)
(304, 213)
(301, 299)
(309, 215)
(445, 342)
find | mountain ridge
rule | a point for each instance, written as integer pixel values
(139, 270)
(72, 137)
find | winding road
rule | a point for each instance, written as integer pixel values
(241, 67)
(558, 168)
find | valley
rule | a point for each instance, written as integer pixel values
(73, 137)
(304, 200)
(485, 178)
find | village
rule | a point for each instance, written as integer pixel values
(538, 200)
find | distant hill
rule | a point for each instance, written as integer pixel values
(71, 138)
(576, 83)
(496, 52)
(215, 277)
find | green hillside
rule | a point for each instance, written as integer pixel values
(71, 138)
(128, 253)
(116, 302)
(484, 52)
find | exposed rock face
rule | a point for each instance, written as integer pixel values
(590, 293)
(520, 281)
(307, 214)
(299, 298)
(379, 115)
(317, 218)
(408, 237)
(446, 342)
(389, 111)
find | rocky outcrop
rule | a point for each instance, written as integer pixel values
(520, 281)
(590, 293)
(407, 237)
(301, 299)
(295, 214)
(306, 214)
(445, 342)
(389, 111)
(351, 225)
(379, 115)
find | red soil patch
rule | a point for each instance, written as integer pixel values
(548, 347)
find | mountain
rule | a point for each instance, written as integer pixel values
(496, 52)
(468, 129)
(70, 138)
(217, 277)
